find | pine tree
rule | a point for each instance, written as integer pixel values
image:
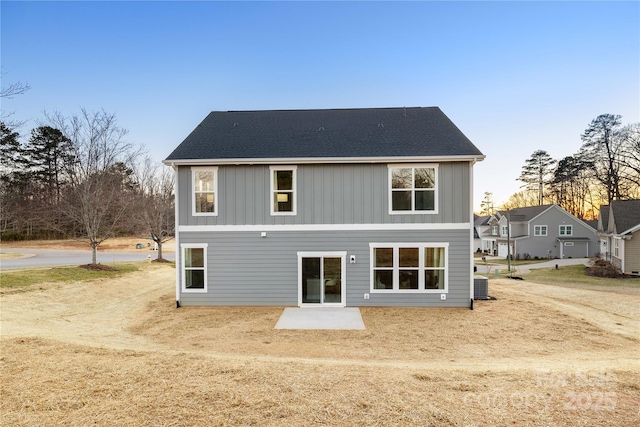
(537, 172)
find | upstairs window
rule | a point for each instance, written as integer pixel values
(539, 230)
(505, 230)
(566, 230)
(494, 230)
(283, 190)
(205, 182)
(413, 188)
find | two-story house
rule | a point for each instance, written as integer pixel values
(546, 231)
(619, 231)
(336, 207)
(481, 240)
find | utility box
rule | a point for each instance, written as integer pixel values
(480, 287)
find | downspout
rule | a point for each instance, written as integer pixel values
(471, 284)
(176, 232)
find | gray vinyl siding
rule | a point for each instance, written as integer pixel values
(326, 194)
(553, 218)
(247, 269)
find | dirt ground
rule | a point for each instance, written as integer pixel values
(118, 352)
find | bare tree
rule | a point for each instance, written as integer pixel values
(602, 146)
(100, 194)
(521, 199)
(630, 158)
(156, 212)
(8, 92)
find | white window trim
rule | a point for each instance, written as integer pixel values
(565, 228)
(494, 230)
(216, 198)
(392, 166)
(294, 191)
(504, 230)
(184, 246)
(396, 268)
(546, 229)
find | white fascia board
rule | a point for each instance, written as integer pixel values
(319, 160)
(631, 230)
(324, 227)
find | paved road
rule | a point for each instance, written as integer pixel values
(49, 257)
(528, 267)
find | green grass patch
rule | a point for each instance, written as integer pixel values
(24, 279)
(575, 275)
(568, 275)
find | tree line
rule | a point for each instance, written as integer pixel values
(606, 167)
(78, 177)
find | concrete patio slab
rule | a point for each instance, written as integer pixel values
(321, 318)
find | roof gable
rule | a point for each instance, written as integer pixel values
(625, 215)
(530, 213)
(525, 214)
(337, 133)
(603, 221)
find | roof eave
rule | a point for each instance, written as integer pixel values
(318, 160)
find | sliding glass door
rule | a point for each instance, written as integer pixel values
(321, 278)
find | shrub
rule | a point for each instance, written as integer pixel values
(12, 236)
(599, 267)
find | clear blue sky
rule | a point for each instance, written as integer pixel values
(514, 76)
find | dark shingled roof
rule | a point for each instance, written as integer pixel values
(338, 133)
(626, 214)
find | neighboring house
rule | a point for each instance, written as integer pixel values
(619, 231)
(546, 231)
(482, 243)
(337, 207)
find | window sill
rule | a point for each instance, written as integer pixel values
(413, 212)
(194, 291)
(409, 291)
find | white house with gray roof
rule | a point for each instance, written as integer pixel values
(341, 207)
(546, 231)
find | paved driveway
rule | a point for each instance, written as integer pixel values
(49, 257)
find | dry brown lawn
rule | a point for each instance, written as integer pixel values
(119, 353)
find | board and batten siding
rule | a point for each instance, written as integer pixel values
(247, 269)
(326, 194)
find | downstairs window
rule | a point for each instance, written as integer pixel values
(409, 267)
(194, 267)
